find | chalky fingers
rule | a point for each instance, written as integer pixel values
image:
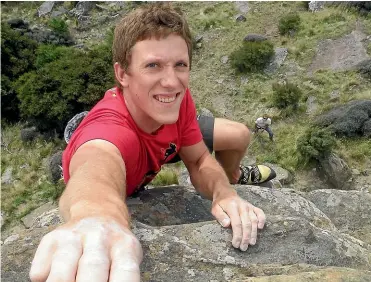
(94, 264)
(65, 262)
(41, 263)
(126, 256)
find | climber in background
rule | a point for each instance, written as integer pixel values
(263, 123)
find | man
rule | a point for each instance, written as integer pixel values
(145, 122)
(263, 123)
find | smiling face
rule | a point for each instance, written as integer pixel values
(156, 80)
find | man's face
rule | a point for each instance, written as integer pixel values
(156, 80)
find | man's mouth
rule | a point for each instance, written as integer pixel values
(166, 98)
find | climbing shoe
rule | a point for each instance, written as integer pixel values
(256, 174)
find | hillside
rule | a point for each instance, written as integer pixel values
(321, 60)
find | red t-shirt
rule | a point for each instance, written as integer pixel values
(143, 153)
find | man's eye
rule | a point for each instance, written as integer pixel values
(152, 65)
(181, 64)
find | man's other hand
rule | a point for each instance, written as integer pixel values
(243, 217)
(91, 249)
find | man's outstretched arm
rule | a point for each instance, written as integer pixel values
(228, 208)
(95, 242)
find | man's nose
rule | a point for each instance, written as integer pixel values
(170, 78)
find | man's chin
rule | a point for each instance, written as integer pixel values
(167, 118)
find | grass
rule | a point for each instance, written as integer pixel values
(30, 187)
(166, 176)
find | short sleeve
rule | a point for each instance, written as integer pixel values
(105, 126)
(190, 130)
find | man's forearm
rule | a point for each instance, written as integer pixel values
(209, 178)
(90, 196)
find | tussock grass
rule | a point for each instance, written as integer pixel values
(166, 176)
(30, 187)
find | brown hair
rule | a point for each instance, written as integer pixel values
(151, 20)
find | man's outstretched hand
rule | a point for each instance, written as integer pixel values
(245, 219)
(91, 249)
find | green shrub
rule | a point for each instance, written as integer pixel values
(286, 95)
(17, 58)
(59, 89)
(315, 143)
(59, 26)
(252, 56)
(289, 23)
(48, 53)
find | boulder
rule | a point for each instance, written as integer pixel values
(336, 171)
(347, 120)
(29, 134)
(55, 167)
(253, 37)
(45, 8)
(182, 242)
(277, 60)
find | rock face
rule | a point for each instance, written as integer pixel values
(336, 171)
(306, 236)
(350, 120)
(340, 54)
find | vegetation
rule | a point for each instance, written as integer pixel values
(286, 96)
(252, 56)
(316, 144)
(289, 23)
(59, 26)
(30, 186)
(17, 57)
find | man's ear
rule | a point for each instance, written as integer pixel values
(121, 75)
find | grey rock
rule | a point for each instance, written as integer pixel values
(253, 37)
(48, 218)
(84, 7)
(312, 105)
(315, 6)
(336, 171)
(279, 57)
(2, 219)
(242, 6)
(30, 219)
(198, 38)
(347, 120)
(364, 68)
(367, 128)
(335, 96)
(206, 112)
(18, 23)
(11, 239)
(29, 134)
(224, 59)
(7, 176)
(55, 167)
(240, 18)
(350, 211)
(340, 54)
(45, 8)
(181, 239)
(282, 175)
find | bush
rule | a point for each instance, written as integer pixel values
(315, 144)
(59, 26)
(252, 56)
(17, 58)
(48, 53)
(286, 95)
(289, 23)
(59, 89)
